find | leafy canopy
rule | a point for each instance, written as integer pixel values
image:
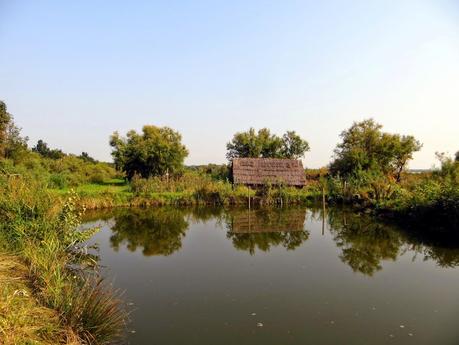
(266, 145)
(12, 144)
(365, 147)
(154, 152)
(43, 150)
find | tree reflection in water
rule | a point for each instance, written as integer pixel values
(265, 228)
(364, 241)
(158, 231)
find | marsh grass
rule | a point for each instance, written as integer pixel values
(61, 277)
(23, 320)
(191, 188)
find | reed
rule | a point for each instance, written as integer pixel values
(44, 232)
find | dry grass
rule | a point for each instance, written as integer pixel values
(22, 319)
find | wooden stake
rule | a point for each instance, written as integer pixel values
(323, 210)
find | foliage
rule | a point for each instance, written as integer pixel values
(219, 172)
(68, 171)
(154, 152)
(5, 119)
(365, 147)
(266, 145)
(12, 144)
(87, 158)
(42, 149)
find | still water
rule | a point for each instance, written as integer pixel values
(277, 276)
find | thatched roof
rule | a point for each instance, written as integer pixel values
(260, 171)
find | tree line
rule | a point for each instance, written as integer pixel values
(364, 148)
(157, 151)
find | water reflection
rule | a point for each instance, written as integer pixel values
(364, 243)
(158, 231)
(264, 228)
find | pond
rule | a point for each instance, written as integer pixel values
(277, 276)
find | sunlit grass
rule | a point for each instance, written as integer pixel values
(55, 274)
(22, 319)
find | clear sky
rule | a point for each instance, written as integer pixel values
(72, 72)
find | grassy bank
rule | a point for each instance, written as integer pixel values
(23, 320)
(188, 189)
(55, 275)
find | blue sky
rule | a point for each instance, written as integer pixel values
(73, 72)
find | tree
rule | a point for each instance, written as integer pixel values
(365, 147)
(12, 144)
(5, 119)
(456, 156)
(87, 158)
(293, 146)
(154, 152)
(266, 145)
(43, 149)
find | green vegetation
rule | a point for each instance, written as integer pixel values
(44, 236)
(54, 290)
(366, 149)
(266, 145)
(369, 172)
(12, 145)
(43, 150)
(22, 319)
(155, 152)
(44, 191)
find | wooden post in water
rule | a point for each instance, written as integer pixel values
(248, 194)
(323, 210)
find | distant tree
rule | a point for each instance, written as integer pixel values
(87, 158)
(153, 152)
(43, 149)
(263, 144)
(365, 147)
(12, 144)
(16, 144)
(5, 119)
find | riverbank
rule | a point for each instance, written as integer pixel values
(52, 270)
(23, 320)
(419, 200)
(205, 192)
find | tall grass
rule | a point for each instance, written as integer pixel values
(46, 235)
(194, 188)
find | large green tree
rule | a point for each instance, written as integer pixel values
(266, 145)
(365, 147)
(154, 152)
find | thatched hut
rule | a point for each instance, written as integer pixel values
(257, 172)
